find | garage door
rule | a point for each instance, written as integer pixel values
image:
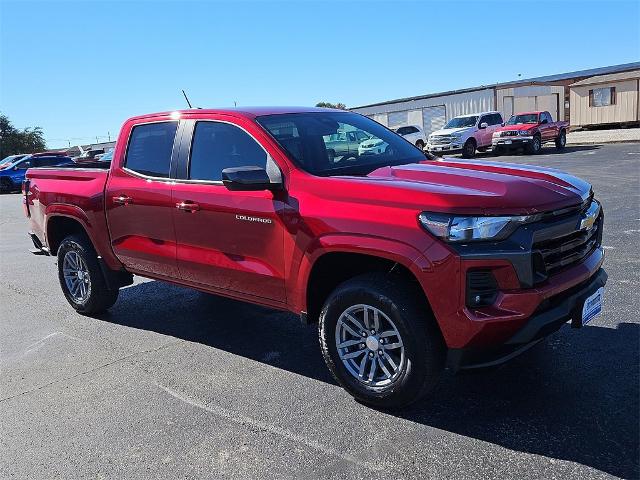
(524, 104)
(433, 118)
(548, 103)
(397, 119)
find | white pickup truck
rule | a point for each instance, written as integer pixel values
(466, 134)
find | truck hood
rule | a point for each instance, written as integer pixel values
(481, 188)
(450, 131)
(523, 126)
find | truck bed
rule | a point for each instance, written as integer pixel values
(69, 192)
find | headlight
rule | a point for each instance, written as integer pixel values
(471, 229)
(524, 133)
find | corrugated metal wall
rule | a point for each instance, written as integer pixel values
(449, 105)
(625, 109)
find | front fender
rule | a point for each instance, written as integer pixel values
(386, 248)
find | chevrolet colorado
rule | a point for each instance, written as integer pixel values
(407, 264)
(530, 130)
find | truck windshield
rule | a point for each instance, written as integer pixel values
(333, 143)
(461, 122)
(521, 119)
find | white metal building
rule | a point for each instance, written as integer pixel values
(432, 111)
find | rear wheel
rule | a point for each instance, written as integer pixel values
(469, 148)
(561, 141)
(81, 278)
(420, 144)
(380, 342)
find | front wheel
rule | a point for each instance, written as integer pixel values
(380, 342)
(469, 149)
(81, 278)
(535, 146)
(561, 141)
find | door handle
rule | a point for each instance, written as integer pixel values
(188, 206)
(122, 200)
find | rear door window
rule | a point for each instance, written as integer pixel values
(149, 150)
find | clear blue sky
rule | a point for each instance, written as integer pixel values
(79, 69)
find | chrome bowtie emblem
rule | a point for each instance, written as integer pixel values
(589, 217)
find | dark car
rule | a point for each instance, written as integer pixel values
(12, 172)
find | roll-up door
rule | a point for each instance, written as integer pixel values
(433, 118)
(397, 119)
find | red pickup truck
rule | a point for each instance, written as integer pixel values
(407, 264)
(530, 130)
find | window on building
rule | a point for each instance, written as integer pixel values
(602, 97)
(217, 146)
(150, 146)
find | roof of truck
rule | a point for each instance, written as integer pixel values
(250, 112)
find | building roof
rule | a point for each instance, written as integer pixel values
(527, 81)
(612, 77)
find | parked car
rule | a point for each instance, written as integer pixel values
(11, 159)
(373, 146)
(406, 264)
(530, 130)
(13, 173)
(342, 145)
(413, 134)
(465, 134)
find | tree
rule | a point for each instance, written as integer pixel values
(13, 140)
(340, 106)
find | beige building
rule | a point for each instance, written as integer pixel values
(606, 100)
(553, 93)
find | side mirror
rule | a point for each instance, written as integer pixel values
(502, 124)
(483, 125)
(248, 179)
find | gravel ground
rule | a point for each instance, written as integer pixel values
(173, 383)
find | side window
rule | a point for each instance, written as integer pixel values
(484, 119)
(352, 136)
(217, 146)
(412, 130)
(497, 119)
(149, 150)
(361, 135)
(25, 165)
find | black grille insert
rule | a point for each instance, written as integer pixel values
(562, 252)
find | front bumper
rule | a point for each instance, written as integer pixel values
(446, 148)
(549, 317)
(510, 142)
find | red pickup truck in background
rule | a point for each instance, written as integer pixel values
(530, 130)
(406, 264)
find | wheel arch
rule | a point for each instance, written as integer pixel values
(331, 267)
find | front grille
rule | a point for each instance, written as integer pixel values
(442, 140)
(509, 133)
(559, 253)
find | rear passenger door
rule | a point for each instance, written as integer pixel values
(138, 201)
(229, 241)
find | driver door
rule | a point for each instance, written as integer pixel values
(229, 241)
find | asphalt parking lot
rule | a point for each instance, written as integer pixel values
(178, 384)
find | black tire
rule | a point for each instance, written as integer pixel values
(482, 149)
(420, 144)
(561, 141)
(469, 148)
(99, 297)
(497, 151)
(535, 146)
(424, 350)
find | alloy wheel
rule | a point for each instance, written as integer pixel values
(370, 346)
(76, 276)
